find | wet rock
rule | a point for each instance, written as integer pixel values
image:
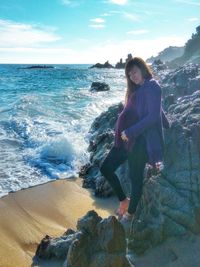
(101, 140)
(99, 86)
(38, 67)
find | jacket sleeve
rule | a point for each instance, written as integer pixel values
(165, 120)
(153, 102)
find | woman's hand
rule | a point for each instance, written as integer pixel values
(123, 136)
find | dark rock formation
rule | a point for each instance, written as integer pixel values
(170, 204)
(159, 65)
(39, 67)
(99, 86)
(99, 65)
(96, 243)
(120, 64)
(191, 51)
(102, 139)
(183, 81)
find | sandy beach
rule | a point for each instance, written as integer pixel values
(29, 214)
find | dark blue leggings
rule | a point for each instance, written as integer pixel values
(137, 159)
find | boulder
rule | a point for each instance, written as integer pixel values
(96, 243)
(99, 65)
(99, 86)
(101, 140)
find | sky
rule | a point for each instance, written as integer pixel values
(91, 31)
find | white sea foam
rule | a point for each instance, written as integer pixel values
(45, 117)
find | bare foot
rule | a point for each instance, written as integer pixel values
(123, 207)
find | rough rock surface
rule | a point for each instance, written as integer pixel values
(96, 243)
(183, 81)
(170, 204)
(98, 86)
(102, 139)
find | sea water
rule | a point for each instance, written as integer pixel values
(45, 116)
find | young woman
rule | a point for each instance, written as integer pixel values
(138, 135)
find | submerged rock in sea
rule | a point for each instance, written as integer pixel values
(99, 86)
(96, 243)
(39, 67)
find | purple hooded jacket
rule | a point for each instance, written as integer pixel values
(126, 118)
(151, 121)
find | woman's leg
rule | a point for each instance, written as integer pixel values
(113, 160)
(137, 159)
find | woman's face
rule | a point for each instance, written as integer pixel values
(135, 75)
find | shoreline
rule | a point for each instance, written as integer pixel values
(50, 208)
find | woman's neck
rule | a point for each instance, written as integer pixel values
(142, 82)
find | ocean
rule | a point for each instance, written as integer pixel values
(45, 116)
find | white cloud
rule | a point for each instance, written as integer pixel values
(97, 25)
(111, 50)
(138, 32)
(70, 3)
(130, 16)
(119, 2)
(127, 15)
(38, 50)
(97, 20)
(115, 11)
(105, 15)
(66, 2)
(193, 19)
(13, 34)
(37, 55)
(189, 2)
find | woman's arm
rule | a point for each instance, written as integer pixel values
(153, 99)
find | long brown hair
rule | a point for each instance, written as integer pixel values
(146, 73)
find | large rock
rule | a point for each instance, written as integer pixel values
(183, 81)
(99, 86)
(101, 140)
(96, 243)
(170, 204)
(99, 65)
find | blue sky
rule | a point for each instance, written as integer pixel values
(91, 31)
